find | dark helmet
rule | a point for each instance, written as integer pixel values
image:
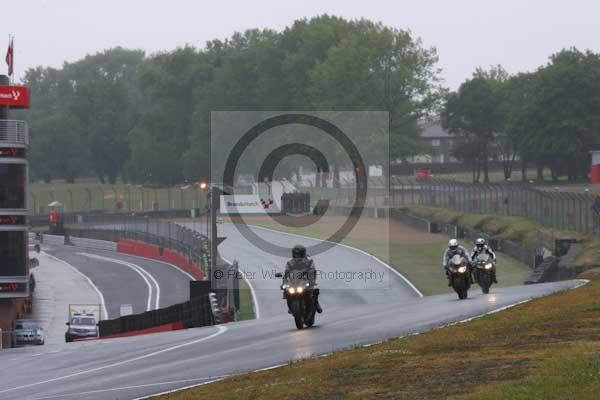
(453, 244)
(480, 243)
(298, 251)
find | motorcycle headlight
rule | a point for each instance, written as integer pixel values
(488, 266)
(299, 289)
(462, 269)
(291, 290)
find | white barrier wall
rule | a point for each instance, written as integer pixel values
(81, 242)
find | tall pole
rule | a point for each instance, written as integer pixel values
(214, 206)
(4, 81)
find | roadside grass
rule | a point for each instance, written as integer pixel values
(548, 348)
(519, 229)
(420, 263)
(246, 310)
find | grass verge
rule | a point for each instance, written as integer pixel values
(547, 349)
(523, 230)
(246, 308)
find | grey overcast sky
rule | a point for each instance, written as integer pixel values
(519, 34)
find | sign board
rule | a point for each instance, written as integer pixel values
(12, 152)
(242, 204)
(375, 170)
(14, 288)
(125, 310)
(12, 220)
(422, 174)
(14, 96)
(84, 310)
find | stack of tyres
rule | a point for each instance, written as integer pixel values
(295, 203)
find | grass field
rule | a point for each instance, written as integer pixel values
(417, 255)
(546, 349)
(89, 195)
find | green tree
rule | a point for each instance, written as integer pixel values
(566, 104)
(474, 114)
(60, 151)
(379, 68)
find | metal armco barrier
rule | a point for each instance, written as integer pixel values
(191, 314)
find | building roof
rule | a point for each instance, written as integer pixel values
(434, 130)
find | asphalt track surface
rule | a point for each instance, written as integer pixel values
(124, 279)
(130, 368)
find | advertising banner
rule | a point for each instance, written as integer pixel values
(244, 204)
(14, 96)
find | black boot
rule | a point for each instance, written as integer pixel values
(494, 278)
(317, 305)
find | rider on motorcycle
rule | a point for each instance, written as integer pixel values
(302, 266)
(481, 247)
(453, 249)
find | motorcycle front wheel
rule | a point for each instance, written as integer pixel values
(299, 321)
(485, 281)
(296, 309)
(461, 287)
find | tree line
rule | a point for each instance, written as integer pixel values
(122, 114)
(548, 118)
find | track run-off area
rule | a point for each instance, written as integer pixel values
(364, 300)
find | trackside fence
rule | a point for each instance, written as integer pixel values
(191, 314)
(550, 207)
(188, 241)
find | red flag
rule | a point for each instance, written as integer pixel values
(10, 58)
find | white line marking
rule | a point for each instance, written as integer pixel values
(142, 272)
(216, 379)
(60, 396)
(220, 330)
(161, 262)
(33, 355)
(392, 269)
(100, 295)
(252, 292)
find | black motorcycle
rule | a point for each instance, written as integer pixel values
(460, 278)
(299, 296)
(483, 271)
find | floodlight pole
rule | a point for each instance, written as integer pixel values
(214, 206)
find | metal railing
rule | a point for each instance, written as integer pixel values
(550, 208)
(14, 131)
(187, 241)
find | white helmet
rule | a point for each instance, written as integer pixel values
(480, 243)
(453, 244)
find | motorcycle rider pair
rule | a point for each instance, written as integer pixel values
(454, 248)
